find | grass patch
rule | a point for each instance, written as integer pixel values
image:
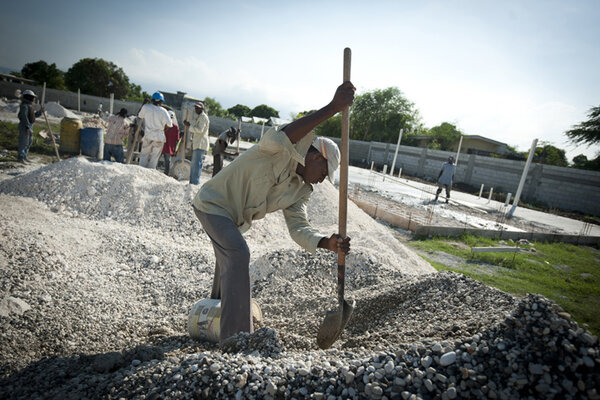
(564, 273)
(9, 138)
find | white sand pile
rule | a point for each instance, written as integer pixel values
(10, 106)
(56, 110)
(143, 197)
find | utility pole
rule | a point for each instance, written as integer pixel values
(523, 178)
(396, 153)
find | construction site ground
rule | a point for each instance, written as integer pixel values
(415, 200)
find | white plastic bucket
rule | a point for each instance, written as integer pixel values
(205, 318)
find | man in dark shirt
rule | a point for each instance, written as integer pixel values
(27, 116)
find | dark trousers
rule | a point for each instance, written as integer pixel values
(231, 282)
(114, 150)
(217, 163)
(447, 187)
(25, 140)
(167, 163)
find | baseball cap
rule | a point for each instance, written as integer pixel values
(330, 152)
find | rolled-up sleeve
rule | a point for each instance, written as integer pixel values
(300, 229)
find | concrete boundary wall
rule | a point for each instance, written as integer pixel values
(68, 100)
(558, 187)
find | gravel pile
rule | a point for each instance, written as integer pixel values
(102, 263)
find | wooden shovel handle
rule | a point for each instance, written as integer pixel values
(136, 138)
(343, 206)
(50, 130)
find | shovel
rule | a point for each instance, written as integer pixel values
(50, 129)
(336, 320)
(136, 139)
(181, 167)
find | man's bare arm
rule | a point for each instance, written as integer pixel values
(344, 96)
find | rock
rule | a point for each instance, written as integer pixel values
(451, 392)
(448, 359)
(536, 369)
(426, 361)
(12, 305)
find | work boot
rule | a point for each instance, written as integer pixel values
(436, 197)
(447, 199)
(20, 160)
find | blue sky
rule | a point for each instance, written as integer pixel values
(508, 70)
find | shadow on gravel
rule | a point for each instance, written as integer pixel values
(50, 374)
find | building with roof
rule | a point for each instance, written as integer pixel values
(471, 144)
(16, 79)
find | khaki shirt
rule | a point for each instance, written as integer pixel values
(199, 124)
(262, 180)
(118, 128)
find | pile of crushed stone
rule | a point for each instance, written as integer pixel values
(56, 110)
(94, 121)
(103, 262)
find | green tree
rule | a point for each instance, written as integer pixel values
(380, 114)
(239, 110)
(41, 71)
(580, 160)
(98, 77)
(331, 127)
(587, 132)
(214, 108)
(444, 136)
(550, 155)
(264, 111)
(136, 93)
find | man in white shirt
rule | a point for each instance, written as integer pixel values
(156, 120)
(198, 126)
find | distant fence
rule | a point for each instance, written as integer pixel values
(558, 187)
(66, 99)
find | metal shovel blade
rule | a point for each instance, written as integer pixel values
(333, 325)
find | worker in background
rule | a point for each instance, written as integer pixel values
(100, 109)
(156, 120)
(218, 151)
(172, 137)
(445, 177)
(117, 130)
(198, 126)
(275, 174)
(27, 115)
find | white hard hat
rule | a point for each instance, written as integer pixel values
(29, 92)
(330, 152)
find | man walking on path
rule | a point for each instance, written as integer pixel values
(156, 120)
(218, 151)
(198, 126)
(275, 174)
(445, 178)
(118, 129)
(26, 119)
